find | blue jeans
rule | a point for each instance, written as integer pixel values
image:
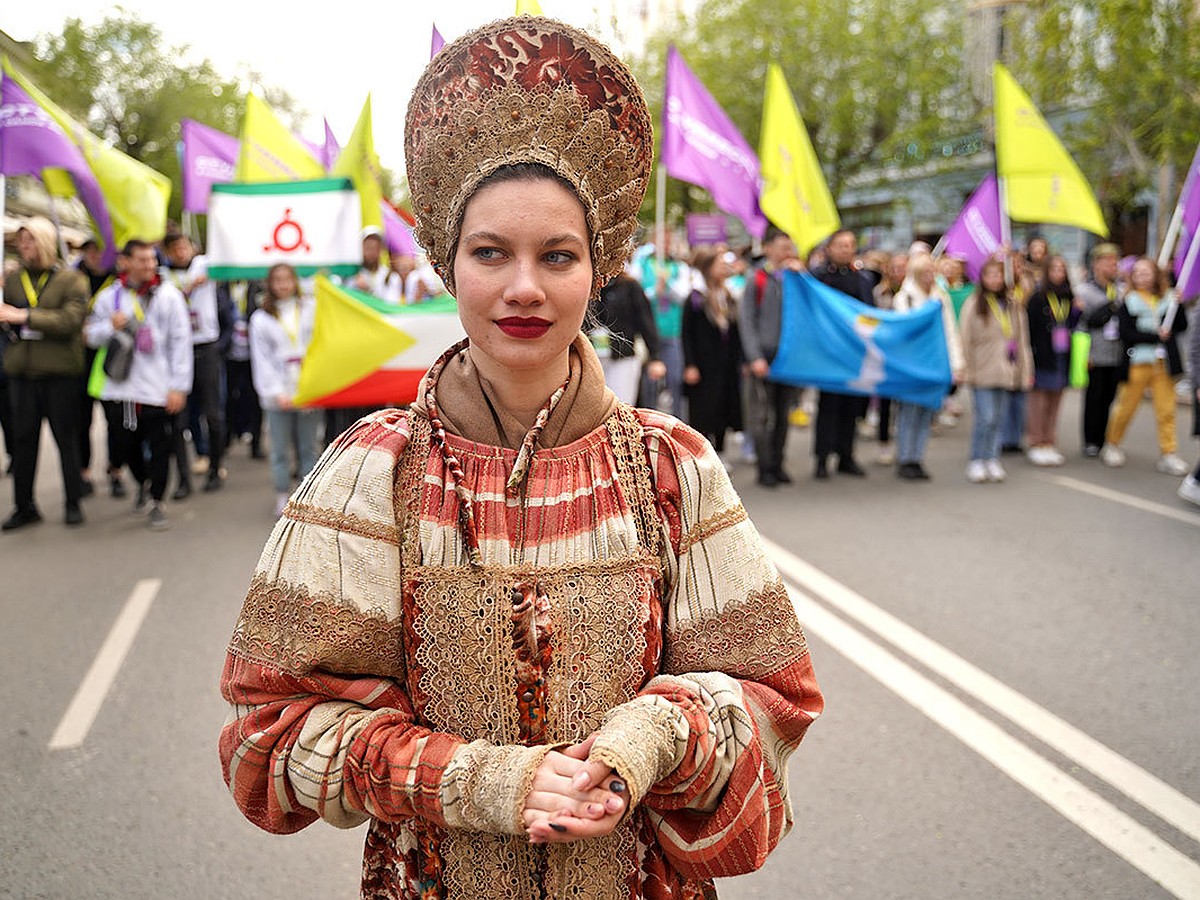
(1014, 420)
(912, 431)
(290, 428)
(991, 407)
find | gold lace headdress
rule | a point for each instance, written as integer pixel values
(528, 90)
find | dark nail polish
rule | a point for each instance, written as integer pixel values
(561, 829)
(617, 786)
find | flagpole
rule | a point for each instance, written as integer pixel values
(1168, 244)
(1189, 261)
(660, 214)
(1005, 231)
(940, 247)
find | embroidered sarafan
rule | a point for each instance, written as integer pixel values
(407, 686)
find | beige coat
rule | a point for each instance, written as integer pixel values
(985, 348)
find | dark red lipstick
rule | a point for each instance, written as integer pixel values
(527, 327)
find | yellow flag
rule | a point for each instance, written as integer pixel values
(350, 342)
(359, 162)
(529, 7)
(136, 195)
(1042, 182)
(270, 152)
(794, 195)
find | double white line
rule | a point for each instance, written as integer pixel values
(1126, 837)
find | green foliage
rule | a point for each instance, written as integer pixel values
(121, 78)
(871, 77)
(1135, 67)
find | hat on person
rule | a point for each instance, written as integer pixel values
(1104, 250)
(528, 90)
(371, 231)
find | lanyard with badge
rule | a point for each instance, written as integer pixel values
(144, 336)
(1060, 335)
(1112, 328)
(239, 291)
(1004, 317)
(32, 294)
(179, 280)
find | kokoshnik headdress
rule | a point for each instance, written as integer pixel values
(528, 90)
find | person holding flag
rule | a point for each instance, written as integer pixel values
(44, 306)
(1101, 298)
(524, 629)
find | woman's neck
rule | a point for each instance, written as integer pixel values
(522, 392)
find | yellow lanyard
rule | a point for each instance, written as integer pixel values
(240, 291)
(1111, 292)
(1058, 308)
(138, 312)
(1002, 316)
(30, 294)
(293, 333)
(92, 301)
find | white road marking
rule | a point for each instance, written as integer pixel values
(1159, 509)
(1117, 831)
(1169, 804)
(78, 719)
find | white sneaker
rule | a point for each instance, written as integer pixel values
(1112, 455)
(995, 471)
(1190, 490)
(977, 472)
(886, 455)
(1055, 456)
(1037, 456)
(947, 419)
(1170, 464)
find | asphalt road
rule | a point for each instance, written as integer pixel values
(1010, 672)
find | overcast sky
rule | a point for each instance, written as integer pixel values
(329, 60)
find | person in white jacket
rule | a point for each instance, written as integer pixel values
(913, 422)
(280, 331)
(160, 376)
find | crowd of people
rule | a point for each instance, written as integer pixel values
(188, 368)
(208, 365)
(710, 329)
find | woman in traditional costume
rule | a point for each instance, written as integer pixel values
(525, 631)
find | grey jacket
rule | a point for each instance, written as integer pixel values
(1099, 317)
(760, 318)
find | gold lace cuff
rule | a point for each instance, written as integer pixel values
(643, 741)
(484, 787)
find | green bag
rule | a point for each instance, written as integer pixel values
(96, 378)
(1081, 348)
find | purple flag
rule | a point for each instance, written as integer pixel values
(399, 236)
(30, 141)
(701, 145)
(332, 148)
(436, 42)
(975, 234)
(1187, 251)
(209, 157)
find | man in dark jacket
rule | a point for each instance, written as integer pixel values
(838, 414)
(45, 304)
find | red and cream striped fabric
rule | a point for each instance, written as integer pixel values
(371, 659)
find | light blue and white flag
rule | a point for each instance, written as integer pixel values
(831, 341)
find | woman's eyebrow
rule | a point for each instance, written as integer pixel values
(489, 236)
(566, 238)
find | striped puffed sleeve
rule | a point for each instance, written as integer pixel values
(706, 743)
(320, 724)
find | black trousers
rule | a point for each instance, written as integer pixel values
(206, 393)
(885, 420)
(837, 419)
(147, 432)
(1097, 402)
(7, 428)
(54, 398)
(118, 450)
(243, 414)
(769, 405)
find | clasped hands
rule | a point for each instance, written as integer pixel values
(571, 798)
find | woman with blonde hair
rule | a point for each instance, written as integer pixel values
(1150, 322)
(523, 629)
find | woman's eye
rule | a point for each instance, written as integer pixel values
(486, 253)
(558, 257)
